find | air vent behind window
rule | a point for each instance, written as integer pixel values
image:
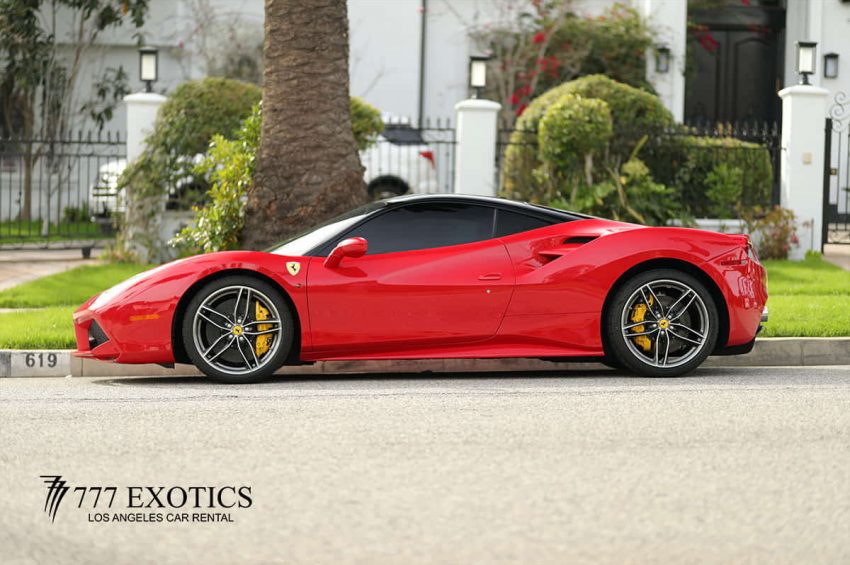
(579, 239)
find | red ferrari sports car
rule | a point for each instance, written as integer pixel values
(441, 276)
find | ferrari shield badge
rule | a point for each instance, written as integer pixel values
(293, 267)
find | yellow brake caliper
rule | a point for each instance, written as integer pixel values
(263, 341)
(639, 315)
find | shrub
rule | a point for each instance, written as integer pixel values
(614, 43)
(635, 113)
(185, 123)
(572, 130)
(549, 43)
(629, 195)
(73, 214)
(200, 109)
(230, 166)
(772, 230)
(366, 123)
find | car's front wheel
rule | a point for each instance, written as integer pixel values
(661, 323)
(238, 329)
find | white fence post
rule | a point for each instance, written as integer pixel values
(803, 115)
(475, 153)
(141, 115)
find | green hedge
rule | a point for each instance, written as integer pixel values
(687, 162)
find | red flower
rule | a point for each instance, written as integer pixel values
(514, 99)
(520, 110)
(539, 37)
(707, 41)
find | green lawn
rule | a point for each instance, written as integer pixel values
(808, 316)
(70, 288)
(44, 328)
(809, 298)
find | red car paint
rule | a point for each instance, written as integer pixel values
(539, 293)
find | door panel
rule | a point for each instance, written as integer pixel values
(440, 296)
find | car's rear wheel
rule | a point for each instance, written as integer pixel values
(661, 323)
(238, 329)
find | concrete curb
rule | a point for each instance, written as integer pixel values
(768, 352)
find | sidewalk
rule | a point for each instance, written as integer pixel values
(21, 265)
(837, 255)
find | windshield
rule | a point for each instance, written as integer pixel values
(309, 239)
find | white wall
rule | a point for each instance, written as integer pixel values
(448, 50)
(384, 54)
(385, 39)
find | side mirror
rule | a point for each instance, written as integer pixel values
(352, 247)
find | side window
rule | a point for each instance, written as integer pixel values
(423, 226)
(509, 223)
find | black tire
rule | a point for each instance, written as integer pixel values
(622, 349)
(281, 342)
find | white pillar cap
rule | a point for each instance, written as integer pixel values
(478, 104)
(145, 98)
(803, 90)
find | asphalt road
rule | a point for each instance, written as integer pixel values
(728, 465)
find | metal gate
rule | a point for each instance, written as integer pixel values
(61, 192)
(836, 172)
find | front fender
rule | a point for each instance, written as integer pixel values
(139, 319)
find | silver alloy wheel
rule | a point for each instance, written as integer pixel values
(675, 322)
(225, 329)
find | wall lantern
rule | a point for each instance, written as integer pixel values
(477, 74)
(662, 59)
(830, 65)
(148, 66)
(806, 52)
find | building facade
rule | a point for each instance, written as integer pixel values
(410, 58)
(728, 58)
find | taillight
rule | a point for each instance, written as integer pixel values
(428, 155)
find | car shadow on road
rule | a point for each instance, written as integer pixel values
(426, 376)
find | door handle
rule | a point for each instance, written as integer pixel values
(491, 277)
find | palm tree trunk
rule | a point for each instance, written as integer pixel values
(308, 168)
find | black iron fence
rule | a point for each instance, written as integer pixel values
(59, 192)
(836, 174)
(411, 160)
(693, 158)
